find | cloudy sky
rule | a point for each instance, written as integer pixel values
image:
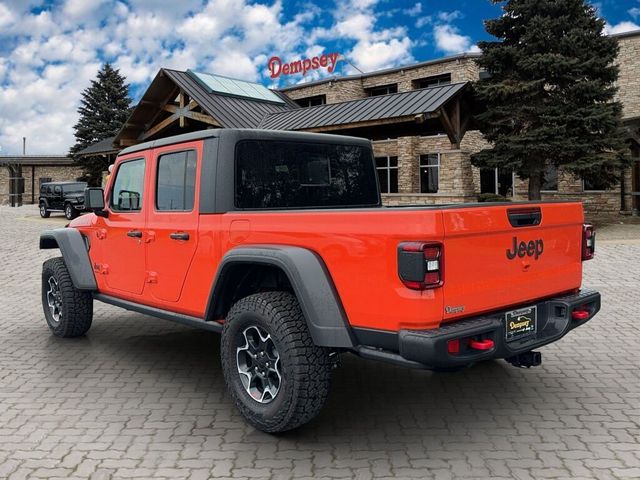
(49, 51)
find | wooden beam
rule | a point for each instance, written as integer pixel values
(170, 108)
(369, 123)
(202, 117)
(160, 126)
(127, 142)
(449, 128)
(181, 101)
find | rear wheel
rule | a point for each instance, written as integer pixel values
(68, 311)
(44, 213)
(277, 377)
(69, 212)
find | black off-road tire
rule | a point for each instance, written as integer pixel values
(70, 212)
(75, 306)
(305, 368)
(44, 213)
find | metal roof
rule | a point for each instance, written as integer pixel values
(394, 105)
(229, 111)
(99, 148)
(37, 160)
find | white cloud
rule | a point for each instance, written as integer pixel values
(6, 16)
(621, 27)
(413, 11)
(423, 21)
(449, 16)
(49, 53)
(449, 40)
(634, 12)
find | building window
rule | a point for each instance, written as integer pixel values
(433, 81)
(550, 180)
(312, 101)
(382, 90)
(498, 181)
(429, 172)
(387, 168)
(592, 183)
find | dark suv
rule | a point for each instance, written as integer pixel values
(67, 197)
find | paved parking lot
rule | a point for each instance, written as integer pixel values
(140, 397)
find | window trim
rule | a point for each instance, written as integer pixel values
(113, 185)
(388, 168)
(420, 166)
(321, 95)
(416, 83)
(379, 87)
(155, 189)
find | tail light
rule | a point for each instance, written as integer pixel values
(588, 241)
(420, 264)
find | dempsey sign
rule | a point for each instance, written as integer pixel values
(277, 67)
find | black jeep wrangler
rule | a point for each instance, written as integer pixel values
(67, 197)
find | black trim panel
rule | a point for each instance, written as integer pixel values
(159, 313)
(75, 255)
(311, 282)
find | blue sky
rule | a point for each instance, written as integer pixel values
(50, 51)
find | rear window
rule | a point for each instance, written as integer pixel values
(279, 174)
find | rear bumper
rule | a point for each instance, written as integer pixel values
(429, 348)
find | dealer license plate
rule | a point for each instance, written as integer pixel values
(520, 323)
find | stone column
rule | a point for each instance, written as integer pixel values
(407, 165)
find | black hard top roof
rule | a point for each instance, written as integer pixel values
(244, 134)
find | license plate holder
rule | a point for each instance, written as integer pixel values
(520, 323)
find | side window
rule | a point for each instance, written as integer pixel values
(57, 189)
(43, 189)
(128, 187)
(49, 190)
(175, 184)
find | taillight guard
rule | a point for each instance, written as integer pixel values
(420, 264)
(588, 241)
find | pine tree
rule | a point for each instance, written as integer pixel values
(549, 96)
(104, 108)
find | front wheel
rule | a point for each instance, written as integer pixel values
(68, 311)
(69, 212)
(44, 213)
(278, 378)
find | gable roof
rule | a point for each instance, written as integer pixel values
(99, 148)
(391, 106)
(230, 111)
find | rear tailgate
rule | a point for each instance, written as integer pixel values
(491, 264)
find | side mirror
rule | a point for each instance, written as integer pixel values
(94, 201)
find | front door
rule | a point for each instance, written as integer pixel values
(173, 219)
(123, 239)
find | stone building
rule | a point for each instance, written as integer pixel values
(34, 169)
(419, 118)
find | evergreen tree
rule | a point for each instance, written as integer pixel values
(104, 108)
(549, 98)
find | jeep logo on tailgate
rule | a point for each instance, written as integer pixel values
(533, 248)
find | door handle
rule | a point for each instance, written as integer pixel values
(134, 234)
(179, 236)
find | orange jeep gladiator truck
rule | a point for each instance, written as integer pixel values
(279, 241)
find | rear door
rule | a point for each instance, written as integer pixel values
(499, 256)
(172, 226)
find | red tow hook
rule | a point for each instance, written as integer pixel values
(580, 314)
(486, 344)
